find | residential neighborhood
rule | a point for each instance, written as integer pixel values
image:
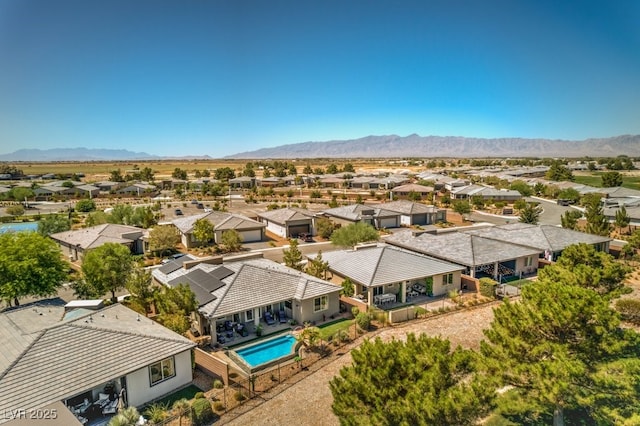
(193, 290)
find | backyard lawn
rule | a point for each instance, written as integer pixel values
(189, 392)
(330, 329)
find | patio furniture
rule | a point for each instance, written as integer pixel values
(242, 330)
(268, 318)
(282, 316)
(228, 325)
(420, 288)
(220, 339)
(412, 293)
(384, 298)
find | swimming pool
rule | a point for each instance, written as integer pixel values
(266, 352)
(18, 227)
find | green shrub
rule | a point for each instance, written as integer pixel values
(420, 312)
(156, 413)
(217, 384)
(239, 396)
(201, 412)
(355, 311)
(488, 287)
(363, 320)
(198, 395)
(218, 406)
(629, 310)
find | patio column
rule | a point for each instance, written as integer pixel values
(495, 271)
(369, 296)
(256, 316)
(403, 291)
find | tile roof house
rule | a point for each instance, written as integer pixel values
(412, 213)
(549, 240)
(74, 243)
(249, 229)
(288, 223)
(373, 215)
(242, 290)
(85, 358)
(381, 269)
(412, 188)
(486, 193)
(480, 255)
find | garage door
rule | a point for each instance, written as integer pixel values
(389, 222)
(299, 229)
(251, 236)
(420, 219)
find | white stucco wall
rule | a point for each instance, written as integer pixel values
(140, 391)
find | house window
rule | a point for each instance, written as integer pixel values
(320, 303)
(162, 370)
(528, 261)
(377, 291)
(287, 304)
(249, 315)
(448, 279)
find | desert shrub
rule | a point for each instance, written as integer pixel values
(420, 312)
(201, 412)
(629, 310)
(217, 384)
(363, 320)
(218, 406)
(355, 311)
(156, 413)
(488, 287)
(239, 396)
(199, 395)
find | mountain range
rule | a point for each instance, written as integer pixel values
(84, 154)
(394, 146)
(388, 146)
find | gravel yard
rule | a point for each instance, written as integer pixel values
(308, 402)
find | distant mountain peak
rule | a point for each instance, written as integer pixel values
(75, 154)
(414, 145)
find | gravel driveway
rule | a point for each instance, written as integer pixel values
(308, 402)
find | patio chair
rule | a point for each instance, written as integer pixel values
(242, 330)
(220, 339)
(268, 318)
(282, 316)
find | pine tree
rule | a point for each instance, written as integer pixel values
(597, 222)
(562, 350)
(317, 267)
(292, 256)
(622, 218)
(417, 382)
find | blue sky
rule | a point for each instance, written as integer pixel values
(220, 77)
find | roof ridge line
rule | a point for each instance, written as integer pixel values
(129, 333)
(26, 349)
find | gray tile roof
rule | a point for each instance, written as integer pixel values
(356, 212)
(382, 264)
(461, 248)
(282, 216)
(68, 357)
(413, 187)
(409, 207)
(254, 283)
(541, 237)
(95, 236)
(221, 221)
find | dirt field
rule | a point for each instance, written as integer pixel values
(308, 402)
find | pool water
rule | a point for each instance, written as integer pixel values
(18, 227)
(267, 351)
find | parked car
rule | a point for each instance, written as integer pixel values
(305, 237)
(194, 201)
(200, 206)
(178, 212)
